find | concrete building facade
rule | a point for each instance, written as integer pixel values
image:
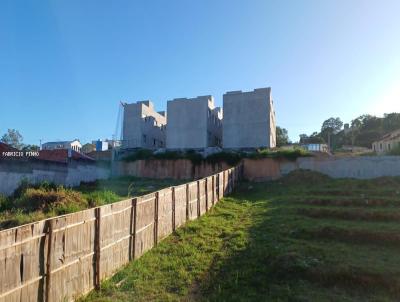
(193, 123)
(143, 127)
(249, 119)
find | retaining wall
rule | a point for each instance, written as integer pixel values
(362, 167)
(165, 168)
(12, 172)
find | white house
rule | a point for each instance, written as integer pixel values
(387, 143)
(70, 145)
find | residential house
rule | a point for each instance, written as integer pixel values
(68, 145)
(387, 143)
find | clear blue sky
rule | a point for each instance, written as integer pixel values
(65, 65)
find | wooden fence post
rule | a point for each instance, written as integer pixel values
(217, 184)
(173, 209)
(206, 189)
(49, 260)
(198, 198)
(187, 202)
(230, 181)
(132, 242)
(97, 212)
(223, 183)
(156, 218)
(233, 179)
(213, 189)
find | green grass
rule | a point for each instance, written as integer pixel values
(262, 244)
(36, 202)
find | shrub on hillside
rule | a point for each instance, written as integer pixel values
(99, 198)
(291, 154)
(307, 177)
(394, 151)
(191, 155)
(230, 157)
(4, 203)
(49, 199)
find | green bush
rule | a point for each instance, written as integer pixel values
(291, 154)
(191, 155)
(230, 157)
(47, 199)
(4, 203)
(139, 154)
(394, 151)
(98, 198)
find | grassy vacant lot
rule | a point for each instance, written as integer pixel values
(302, 238)
(32, 203)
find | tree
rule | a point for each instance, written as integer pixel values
(30, 148)
(329, 128)
(282, 137)
(303, 138)
(332, 125)
(391, 122)
(12, 138)
(314, 138)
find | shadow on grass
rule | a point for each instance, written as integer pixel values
(276, 266)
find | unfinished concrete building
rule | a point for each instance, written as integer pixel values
(143, 127)
(193, 123)
(249, 119)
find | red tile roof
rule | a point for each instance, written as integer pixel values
(61, 155)
(6, 148)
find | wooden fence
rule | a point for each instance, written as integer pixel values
(62, 258)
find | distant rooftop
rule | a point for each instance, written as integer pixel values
(61, 155)
(61, 142)
(6, 148)
(255, 90)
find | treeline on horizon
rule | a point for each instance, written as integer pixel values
(362, 131)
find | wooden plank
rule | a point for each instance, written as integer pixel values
(145, 224)
(165, 214)
(180, 205)
(49, 259)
